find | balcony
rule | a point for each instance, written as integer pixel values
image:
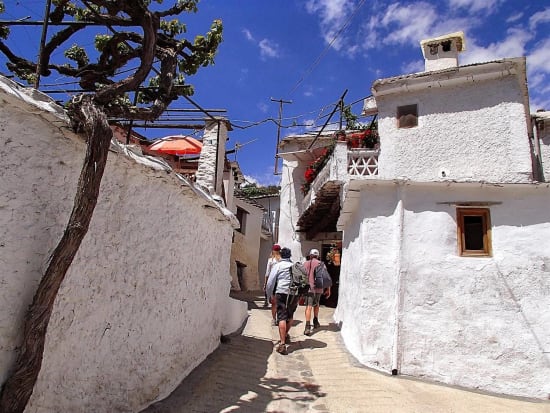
(321, 204)
(267, 226)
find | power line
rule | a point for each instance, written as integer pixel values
(324, 52)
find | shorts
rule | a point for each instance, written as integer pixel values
(312, 299)
(284, 311)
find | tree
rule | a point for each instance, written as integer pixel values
(251, 190)
(106, 94)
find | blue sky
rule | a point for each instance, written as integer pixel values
(310, 52)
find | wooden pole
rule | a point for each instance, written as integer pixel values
(42, 42)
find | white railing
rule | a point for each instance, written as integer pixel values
(363, 162)
(344, 164)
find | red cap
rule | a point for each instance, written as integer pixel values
(276, 247)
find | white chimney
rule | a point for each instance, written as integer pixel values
(442, 52)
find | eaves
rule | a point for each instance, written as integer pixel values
(452, 77)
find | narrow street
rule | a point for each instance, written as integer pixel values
(318, 375)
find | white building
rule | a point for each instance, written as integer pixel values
(270, 230)
(245, 250)
(445, 269)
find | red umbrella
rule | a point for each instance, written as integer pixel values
(177, 145)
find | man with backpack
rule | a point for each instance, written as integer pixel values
(315, 269)
(279, 285)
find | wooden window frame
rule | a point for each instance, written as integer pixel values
(407, 111)
(485, 214)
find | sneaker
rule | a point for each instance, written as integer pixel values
(316, 323)
(281, 349)
(308, 330)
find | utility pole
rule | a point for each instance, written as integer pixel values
(281, 102)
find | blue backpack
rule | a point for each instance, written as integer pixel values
(321, 277)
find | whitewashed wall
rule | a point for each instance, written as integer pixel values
(271, 205)
(291, 197)
(476, 131)
(476, 322)
(245, 247)
(545, 150)
(146, 298)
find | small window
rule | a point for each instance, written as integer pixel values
(446, 46)
(407, 116)
(474, 232)
(241, 216)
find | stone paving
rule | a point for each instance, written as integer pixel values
(245, 374)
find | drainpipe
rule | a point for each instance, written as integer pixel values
(539, 124)
(398, 297)
(216, 172)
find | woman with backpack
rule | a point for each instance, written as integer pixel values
(273, 259)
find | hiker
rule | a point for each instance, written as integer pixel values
(278, 284)
(313, 297)
(273, 259)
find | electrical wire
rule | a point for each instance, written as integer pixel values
(327, 48)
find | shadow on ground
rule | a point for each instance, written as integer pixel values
(233, 378)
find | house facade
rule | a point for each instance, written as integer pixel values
(245, 249)
(444, 271)
(270, 230)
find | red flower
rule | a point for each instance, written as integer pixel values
(310, 175)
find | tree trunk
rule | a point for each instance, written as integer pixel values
(19, 386)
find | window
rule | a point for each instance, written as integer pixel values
(407, 116)
(446, 46)
(241, 216)
(474, 232)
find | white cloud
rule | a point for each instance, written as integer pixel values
(268, 49)
(410, 23)
(512, 46)
(415, 66)
(334, 15)
(263, 107)
(476, 5)
(514, 17)
(538, 61)
(243, 74)
(538, 18)
(266, 178)
(248, 35)
(249, 180)
(310, 124)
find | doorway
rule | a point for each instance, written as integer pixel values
(333, 267)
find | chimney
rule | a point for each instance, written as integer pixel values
(442, 52)
(211, 163)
